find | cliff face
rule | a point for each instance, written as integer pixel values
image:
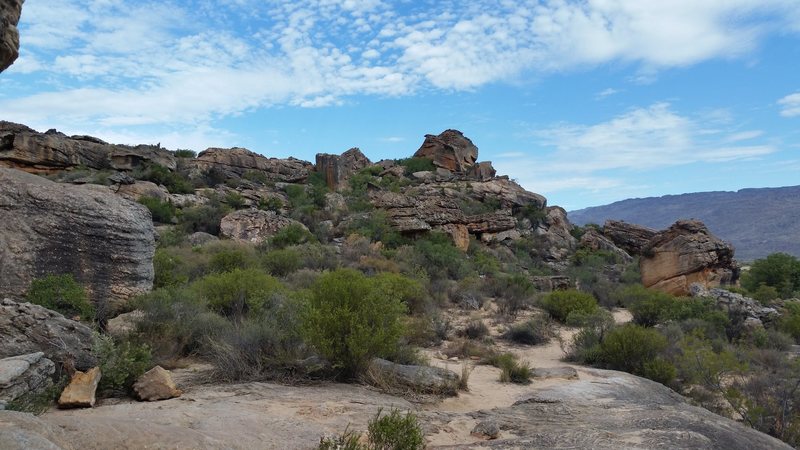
(10, 11)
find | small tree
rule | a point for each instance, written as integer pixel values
(63, 294)
(351, 319)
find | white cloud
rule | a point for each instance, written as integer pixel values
(121, 63)
(636, 142)
(790, 105)
(605, 93)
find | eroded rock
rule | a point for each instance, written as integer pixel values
(105, 241)
(156, 384)
(337, 168)
(28, 328)
(593, 240)
(80, 392)
(627, 236)
(234, 162)
(24, 374)
(10, 11)
(449, 150)
(254, 225)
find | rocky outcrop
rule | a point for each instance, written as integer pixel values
(254, 225)
(10, 11)
(627, 236)
(24, 431)
(24, 374)
(594, 241)
(687, 253)
(450, 150)
(555, 242)
(337, 168)
(156, 384)
(234, 162)
(80, 392)
(138, 189)
(731, 302)
(421, 379)
(27, 328)
(26, 149)
(105, 241)
(482, 171)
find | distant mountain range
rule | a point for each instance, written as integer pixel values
(756, 221)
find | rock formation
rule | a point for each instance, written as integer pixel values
(10, 11)
(253, 225)
(26, 149)
(449, 150)
(627, 236)
(24, 374)
(234, 162)
(105, 241)
(337, 168)
(729, 301)
(80, 392)
(156, 384)
(686, 253)
(594, 241)
(27, 328)
(418, 378)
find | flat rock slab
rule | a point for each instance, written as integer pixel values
(568, 373)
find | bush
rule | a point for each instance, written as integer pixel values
(293, 234)
(234, 200)
(789, 321)
(630, 347)
(515, 292)
(395, 431)
(282, 262)
(166, 266)
(228, 256)
(537, 330)
(184, 153)
(204, 218)
(440, 257)
(475, 329)
(175, 182)
(63, 294)
(407, 290)
(237, 292)
(121, 363)
(161, 211)
(560, 304)
(350, 320)
(417, 164)
(512, 370)
(778, 270)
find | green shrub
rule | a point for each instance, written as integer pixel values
(293, 234)
(121, 363)
(204, 218)
(228, 256)
(350, 319)
(514, 293)
(237, 292)
(765, 294)
(535, 331)
(778, 270)
(789, 321)
(175, 182)
(531, 212)
(348, 440)
(560, 304)
(234, 200)
(630, 346)
(184, 153)
(161, 211)
(376, 227)
(475, 329)
(270, 204)
(659, 370)
(407, 290)
(282, 262)
(513, 371)
(256, 176)
(417, 164)
(63, 294)
(166, 267)
(395, 431)
(441, 258)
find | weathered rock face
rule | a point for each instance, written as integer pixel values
(687, 253)
(24, 374)
(337, 168)
(482, 171)
(234, 162)
(156, 384)
(138, 189)
(27, 328)
(592, 240)
(26, 149)
(557, 243)
(10, 11)
(627, 236)
(730, 301)
(450, 150)
(80, 392)
(105, 241)
(420, 378)
(253, 225)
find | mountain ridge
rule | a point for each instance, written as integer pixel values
(757, 221)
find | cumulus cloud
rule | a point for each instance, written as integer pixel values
(790, 105)
(121, 63)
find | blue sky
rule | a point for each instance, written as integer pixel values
(586, 102)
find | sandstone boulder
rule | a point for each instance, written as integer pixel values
(687, 253)
(423, 379)
(26, 149)
(80, 392)
(10, 11)
(449, 150)
(482, 171)
(51, 228)
(24, 374)
(234, 162)
(254, 225)
(28, 328)
(594, 241)
(337, 168)
(627, 236)
(156, 384)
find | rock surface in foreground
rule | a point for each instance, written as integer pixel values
(105, 241)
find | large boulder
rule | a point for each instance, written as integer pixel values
(27, 328)
(423, 379)
(254, 225)
(26, 149)
(156, 384)
(450, 150)
(10, 11)
(337, 168)
(81, 390)
(105, 241)
(627, 236)
(687, 253)
(234, 162)
(24, 374)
